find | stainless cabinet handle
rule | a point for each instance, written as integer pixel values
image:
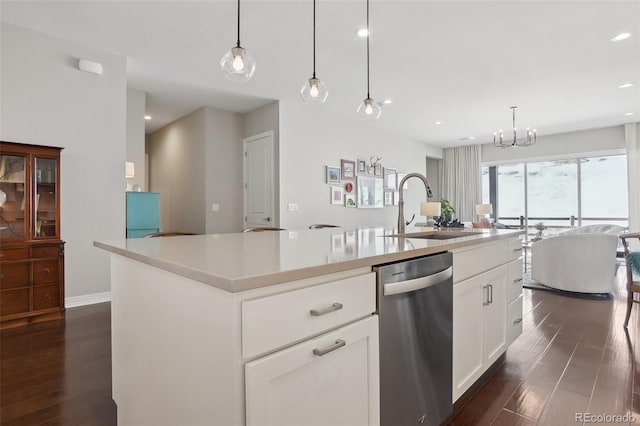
(518, 321)
(485, 302)
(517, 280)
(267, 219)
(337, 345)
(490, 293)
(323, 311)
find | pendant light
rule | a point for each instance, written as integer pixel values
(237, 64)
(369, 109)
(314, 90)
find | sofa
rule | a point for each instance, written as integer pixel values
(581, 260)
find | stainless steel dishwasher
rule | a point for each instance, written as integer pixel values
(415, 303)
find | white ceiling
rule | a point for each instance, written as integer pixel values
(460, 62)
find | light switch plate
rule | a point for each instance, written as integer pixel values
(215, 207)
(293, 207)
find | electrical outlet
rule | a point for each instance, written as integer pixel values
(293, 207)
(215, 207)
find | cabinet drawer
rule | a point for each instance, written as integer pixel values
(514, 280)
(514, 249)
(14, 254)
(276, 321)
(48, 251)
(46, 297)
(45, 271)
(514, 320)
(14, 301)
(14, 275)
(467, 263)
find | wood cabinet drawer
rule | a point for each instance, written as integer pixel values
(276, 321)
(472, 261)
(14, 301)
(514, 280)
(514, 249)
(14, 254)
(14, 275)
(47, 251)
(46, 297)
(514, 320)
(45, 271)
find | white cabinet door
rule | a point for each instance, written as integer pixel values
(494, 315)
(332, 379)
(467, 334)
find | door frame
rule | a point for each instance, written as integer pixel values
(245, 141)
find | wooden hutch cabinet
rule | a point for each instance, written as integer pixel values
(31, 252)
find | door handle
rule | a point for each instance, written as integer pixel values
(319, 312)
(490, 293)
(337, 345)
(417, 283)
(267, 219)
(485, 302)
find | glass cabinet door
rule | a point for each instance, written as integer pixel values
(13, 222)
(45, 200)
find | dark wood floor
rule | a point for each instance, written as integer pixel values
(572, 357)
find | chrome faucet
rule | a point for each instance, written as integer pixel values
(401, 222)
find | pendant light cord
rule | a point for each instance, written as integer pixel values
(238, 44)
(314, 38)
(368, 36)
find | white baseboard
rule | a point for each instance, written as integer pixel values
(87, 299)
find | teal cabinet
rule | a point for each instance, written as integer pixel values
(143, 213)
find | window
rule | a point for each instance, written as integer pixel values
(605, 197)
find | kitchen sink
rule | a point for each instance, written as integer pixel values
(436, 235)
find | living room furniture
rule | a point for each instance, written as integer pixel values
(31, 252)
(143, 213)
(581, 260)
(633, 285)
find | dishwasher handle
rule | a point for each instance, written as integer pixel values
(417, 283)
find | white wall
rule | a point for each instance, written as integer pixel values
(587, 141)
(46, 100)
(223, 171)
(310, 139)
(259, 121)
(136, 102)
(176, 171)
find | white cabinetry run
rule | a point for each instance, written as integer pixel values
(487, 293)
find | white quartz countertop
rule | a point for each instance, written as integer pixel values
(242, 261)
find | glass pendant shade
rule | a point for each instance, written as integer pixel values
(314, 92)
(369, 109)
(238, 65)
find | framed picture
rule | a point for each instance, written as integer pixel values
(388, 198)
(390, 178)
(399, 177)
(348, 169)
(378, 169)
(396, 197)
(370, 192)
(333, 174)
(362, 167)
(336, 195)
(350, 200)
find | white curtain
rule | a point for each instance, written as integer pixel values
(461, 180)
(632, 139)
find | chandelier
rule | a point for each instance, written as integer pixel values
(530, 139)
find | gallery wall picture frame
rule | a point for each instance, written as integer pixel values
(396, 197)
(390, 178)
(377, 171)
(336, 195)
(401, 176)
(362, 167)
(370, 192)
(333, 174)
(388, 198)
(350, 200)
(348, 169)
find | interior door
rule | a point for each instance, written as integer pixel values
(259, 181)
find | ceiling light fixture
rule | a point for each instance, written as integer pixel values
(387, 101)
(147, 117)
(528, 141)
(314, 91)
(625, 85)
(369, 109)
(437, 123)
(237, 64)
(362, 32)
(621, 36)
(628, 114)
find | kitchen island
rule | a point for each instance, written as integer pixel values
(278, 327)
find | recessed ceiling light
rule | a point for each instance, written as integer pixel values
(362, 32)
(437, 122)
(387, 101)
(147, 117)
(472, 137)
(628, 113)
(621, 36)
(625, 85)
